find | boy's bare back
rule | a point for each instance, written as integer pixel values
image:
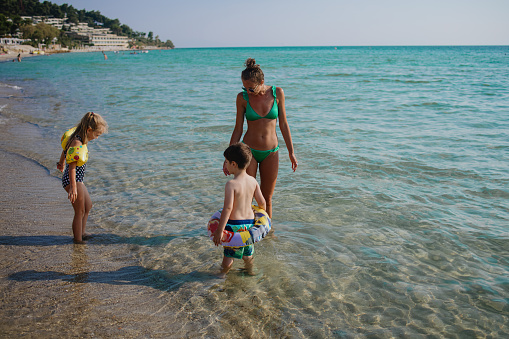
(240, 191)
(243, 189)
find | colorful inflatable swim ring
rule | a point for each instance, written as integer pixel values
(256, 233)
(77, 154)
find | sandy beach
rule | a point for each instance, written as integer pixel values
(14, 50)
(50, 287)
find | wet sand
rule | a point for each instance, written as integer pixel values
(52, 287)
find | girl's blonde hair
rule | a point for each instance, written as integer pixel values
(90, 120)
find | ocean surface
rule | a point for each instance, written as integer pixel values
(396, 223)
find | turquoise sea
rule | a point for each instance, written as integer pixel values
(396, 223)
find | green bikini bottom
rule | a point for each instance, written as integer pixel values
(261, 155)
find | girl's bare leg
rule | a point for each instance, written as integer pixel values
(268, 177)
(88, 207)
(79, 212)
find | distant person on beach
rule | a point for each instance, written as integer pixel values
(237, 214)
(19, 57)
(75, 154)
(105, 56)
(262, 105)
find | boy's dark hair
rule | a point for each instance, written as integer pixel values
(240, 153)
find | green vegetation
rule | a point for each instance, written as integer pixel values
(11, 12)
(40, 32)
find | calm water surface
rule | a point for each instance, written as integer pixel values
(395, 224)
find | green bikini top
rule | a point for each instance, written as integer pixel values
(252, 115)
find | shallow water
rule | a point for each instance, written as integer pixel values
(394, 224)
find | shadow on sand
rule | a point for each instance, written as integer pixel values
(129, 275)
(96, 239)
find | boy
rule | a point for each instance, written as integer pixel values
(237, 212)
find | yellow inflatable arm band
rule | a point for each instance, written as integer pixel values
(77, 154)
(65, 137)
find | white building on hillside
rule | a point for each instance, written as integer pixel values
(109, 40)
(55, 22)
(99, 37)
(12, 41)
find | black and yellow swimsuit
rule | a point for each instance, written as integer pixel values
(75, 154)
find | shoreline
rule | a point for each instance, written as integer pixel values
(50, 286)
(14, 50)
(27, 51)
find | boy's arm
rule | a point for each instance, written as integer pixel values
(225, 214)
(260, 200)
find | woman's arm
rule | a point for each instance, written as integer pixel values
(239, 121)
(284, 127)
(239, 125)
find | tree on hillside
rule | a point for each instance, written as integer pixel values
(168, 44)
(127, 30)
(5, 25)
(40, 33)
(11, 22)
(116, 29)
(9, 26)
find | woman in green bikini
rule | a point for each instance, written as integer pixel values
(262, 105)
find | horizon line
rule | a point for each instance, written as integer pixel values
(339, 46)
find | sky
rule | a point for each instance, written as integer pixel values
(264, 23)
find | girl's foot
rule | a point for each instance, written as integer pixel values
(86, 236)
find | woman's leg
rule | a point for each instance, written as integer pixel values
(268, 175)
(252, 167)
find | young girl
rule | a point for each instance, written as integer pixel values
(75, 154)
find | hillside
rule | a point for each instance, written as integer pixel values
(12, 23)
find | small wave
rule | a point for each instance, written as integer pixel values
(432, 103)
(414, 81)
(339, 75)
(486, 192)
(405, 81)
(11, 86)
(3, 120)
